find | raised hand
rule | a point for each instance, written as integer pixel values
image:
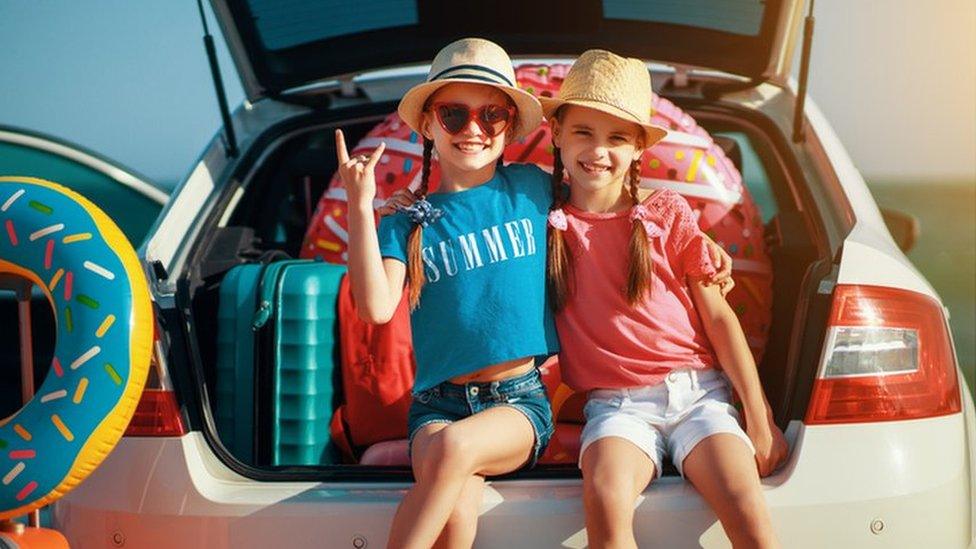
(358, 173)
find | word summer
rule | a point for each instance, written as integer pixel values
(497, 243)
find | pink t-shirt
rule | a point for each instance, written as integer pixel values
(606, 343)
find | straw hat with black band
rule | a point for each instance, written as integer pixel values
(604, 81)
(475, 61)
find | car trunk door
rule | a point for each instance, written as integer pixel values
(282, 45)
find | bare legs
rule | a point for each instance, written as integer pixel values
(615, 472)
(462, 525)
(449, 463)
(721, 467)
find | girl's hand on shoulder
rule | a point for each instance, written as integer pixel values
(770, 443)
(723, 267)
(400, 199)
(358, 173)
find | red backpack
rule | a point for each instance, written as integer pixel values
(377, 369)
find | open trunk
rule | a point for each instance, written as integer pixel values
(267, 206)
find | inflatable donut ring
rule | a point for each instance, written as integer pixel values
(688, 161)
(70, 249)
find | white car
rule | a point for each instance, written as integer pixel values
(860, 368)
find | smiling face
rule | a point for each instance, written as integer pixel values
(471, 153)
(596, 148)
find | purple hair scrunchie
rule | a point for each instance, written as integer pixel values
(422, 212)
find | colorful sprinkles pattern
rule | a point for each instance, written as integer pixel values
(67, 403)
(688, 161)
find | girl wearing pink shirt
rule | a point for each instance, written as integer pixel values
(642, 330)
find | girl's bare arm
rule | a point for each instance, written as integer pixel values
(725, 333)
(377, 283)
(723, 266)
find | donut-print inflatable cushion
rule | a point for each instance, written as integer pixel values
(81, 260)
(687, 161)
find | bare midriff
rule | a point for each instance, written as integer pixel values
(498, 372)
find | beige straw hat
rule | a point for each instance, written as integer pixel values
(476, 61)
(619, 86)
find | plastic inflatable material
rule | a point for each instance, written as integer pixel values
(688, 160)
(81, 260)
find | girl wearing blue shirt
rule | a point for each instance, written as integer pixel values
(473, 256)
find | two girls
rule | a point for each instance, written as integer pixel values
(474, 256)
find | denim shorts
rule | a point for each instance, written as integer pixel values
(449, 402)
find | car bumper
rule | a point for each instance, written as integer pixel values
(898, 484)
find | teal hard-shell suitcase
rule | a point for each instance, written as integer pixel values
(277, 362)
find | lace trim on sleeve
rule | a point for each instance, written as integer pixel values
(685, 240)
(696, 261)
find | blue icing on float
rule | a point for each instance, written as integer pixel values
(90, 274)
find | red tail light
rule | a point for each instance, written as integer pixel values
(157, 415)
(158, 412)
(888, 356)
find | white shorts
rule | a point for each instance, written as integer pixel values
(670, 417)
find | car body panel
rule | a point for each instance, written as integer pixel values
(840, 480)
(84, 157)
(194, 197)
(129, 198)
(969, 415)
(870, 254)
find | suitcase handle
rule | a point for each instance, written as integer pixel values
(266, 290)
(265, 294)
(261, 316)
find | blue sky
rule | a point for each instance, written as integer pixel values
(129, 79)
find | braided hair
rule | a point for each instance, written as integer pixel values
(559, 264)
(640, 271)
(415, 264)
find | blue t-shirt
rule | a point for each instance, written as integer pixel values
(485, 261)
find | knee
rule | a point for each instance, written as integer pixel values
(607, 489)
(745, 503)
(447, 453)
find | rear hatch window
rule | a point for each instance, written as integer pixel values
(282, 45)
(285, 25)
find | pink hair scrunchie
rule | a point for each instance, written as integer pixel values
(557, 219)
(642, 214)
(639, 211)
